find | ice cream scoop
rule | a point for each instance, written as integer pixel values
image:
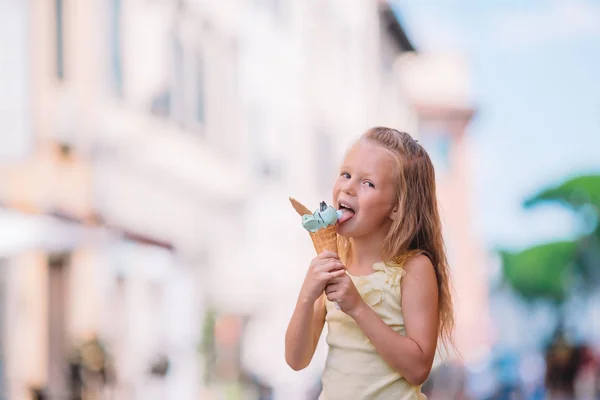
(322, 218)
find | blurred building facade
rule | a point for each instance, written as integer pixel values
(114, 212)
(438, 86)
(152, 147)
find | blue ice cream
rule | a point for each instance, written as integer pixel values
(322, 218)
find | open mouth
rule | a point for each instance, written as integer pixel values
(347, 212)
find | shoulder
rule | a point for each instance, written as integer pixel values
(417, 262)
(420, 270)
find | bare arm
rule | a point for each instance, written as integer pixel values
(304, 331)
(306, 324)
(411, 355)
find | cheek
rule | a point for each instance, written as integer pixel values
(378, 204)
(336, 186)
(335, 189)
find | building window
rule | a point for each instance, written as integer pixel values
(161, 104)
(60, 61)
(15, 80)
(200, 90)
(273, 8)
(116, 59)
(438, 145)
(185, 101)
(177, 90)
(265, 163)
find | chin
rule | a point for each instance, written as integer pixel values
(354, 230)
(347, 230)
(343, 232)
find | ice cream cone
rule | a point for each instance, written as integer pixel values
(299, 207)
(324, 238)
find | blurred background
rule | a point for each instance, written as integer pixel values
(148, 149)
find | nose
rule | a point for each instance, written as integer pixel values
(348, 187)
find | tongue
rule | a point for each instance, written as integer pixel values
(346, 215)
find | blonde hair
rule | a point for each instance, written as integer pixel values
(418, 228)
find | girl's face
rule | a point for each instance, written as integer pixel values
(365, 190)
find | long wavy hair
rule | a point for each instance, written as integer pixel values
(418, 228)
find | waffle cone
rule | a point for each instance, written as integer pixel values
(299, 207)
(324, 238)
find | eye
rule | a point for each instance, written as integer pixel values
(369, 183)
(345, 175)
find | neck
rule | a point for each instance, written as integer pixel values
(365, 251)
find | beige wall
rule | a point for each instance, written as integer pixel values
(157, 155)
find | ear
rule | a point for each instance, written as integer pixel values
(395, 214)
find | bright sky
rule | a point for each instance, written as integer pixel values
(535, 69)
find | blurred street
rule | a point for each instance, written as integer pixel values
(148, 149)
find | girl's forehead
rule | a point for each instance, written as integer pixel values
(366, 154)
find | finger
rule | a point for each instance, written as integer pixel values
(333, 265)
(337, 277)
(333, 275)
(326, 265)
(328, 276)
(333, 296)
(331, 289)
(328, 254)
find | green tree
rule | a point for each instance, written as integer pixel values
(556, 270)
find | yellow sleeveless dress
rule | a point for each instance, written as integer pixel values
(354, 370)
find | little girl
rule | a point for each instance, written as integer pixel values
(390, 280)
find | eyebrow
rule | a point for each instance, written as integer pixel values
(363, 175)
(369, 177)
